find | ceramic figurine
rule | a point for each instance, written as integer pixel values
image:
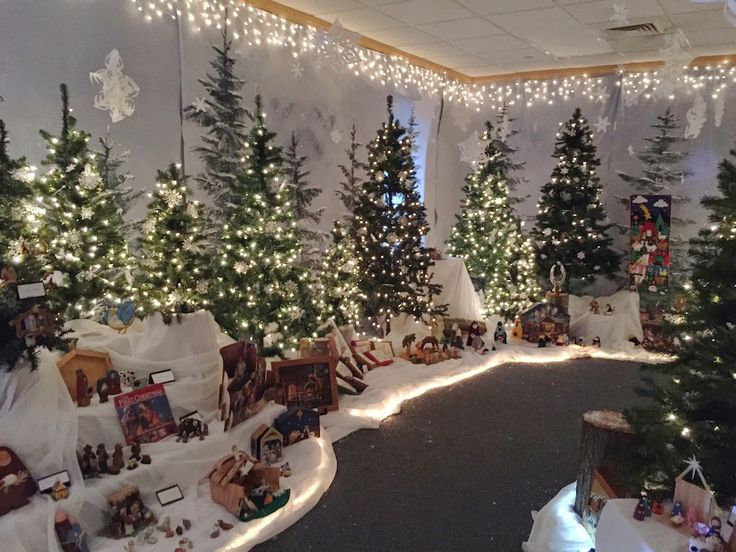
(596, 341)
(639, 513)
(677, 509)
(130, 547)
(609, 310)
(147, 536)
(594, 308)
(473, 331)
(647, 507)
(542, 342)
(70, 534)
(657, 507)
(59, 491)
(457, 338)
(102, 458)
(84, 392)
(113, 382)
(117, 460)
(714, 528)
(190, 427)
(285, 469)
(88, 465)
(132, 463)
(580, 341)
(500, 333)
(135, 450)
(478, 344)
(129, 515)
(102, 389)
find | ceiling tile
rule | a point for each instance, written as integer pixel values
(523, 55)
(712, 37)
(486, 44)
(434, 50)
(700, 21)
(407, 36)
(381, 2)
(317, 7)
(482, 70)
(488, 7)
(461, 28)
(596, 12)
(364, 19)
(456, 62)
(553, 30)
(687, 6)
(416, 12)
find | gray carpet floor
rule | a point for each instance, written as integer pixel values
(462, 467)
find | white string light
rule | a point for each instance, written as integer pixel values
(255, 27)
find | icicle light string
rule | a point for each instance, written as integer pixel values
(256, 27)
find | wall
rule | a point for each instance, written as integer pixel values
(45, 42)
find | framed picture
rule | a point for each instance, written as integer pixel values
(386, 347)
(145, 414)
(246, 385)
(321, 346)
(307, 382)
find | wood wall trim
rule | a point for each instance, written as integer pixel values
(302, 18)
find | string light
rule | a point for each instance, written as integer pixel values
(258, 28)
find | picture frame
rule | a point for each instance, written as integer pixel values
(169, 495)
(317, 347)
(307, 382)
(385, 347)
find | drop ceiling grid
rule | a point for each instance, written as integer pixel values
(497, 36)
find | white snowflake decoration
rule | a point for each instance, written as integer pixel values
(602, 124)
(172, 198)
(675, 62)
(88, 274)
(118, 90)
(339, 45)
(392, 238)
(86, 213)
(203, 287)
(240, 267)
(290, 286)
(597, 267)
(336, 136)
(89, 179)
(631, 151)
(24, 174)
(192, 247)
(472, 150)
(581, 255)
(297, 69)
(192, 211)
(149, 227)
(696, 117)
(73, 238)
(621, 13)
(547, 231)
(175, 297)
(199, 105)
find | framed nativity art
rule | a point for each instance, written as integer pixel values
(307, 382)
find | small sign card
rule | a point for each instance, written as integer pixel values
(31, 289)
(162, 376)
(45, 484)
(169, 495)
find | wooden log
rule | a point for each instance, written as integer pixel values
(601, 430)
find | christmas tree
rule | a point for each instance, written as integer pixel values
(82, 226)
(488, 235)
(352, 174)
(261, 290)
(571, 223)
(694, 412)
(222, 115)
(304, 195)
(661, 174)
(388, 230)
(504, 130)
(173, 245)
(117, 182)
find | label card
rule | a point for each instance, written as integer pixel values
(163, 376)
(169, 495)
(46, 483)
(32, 289)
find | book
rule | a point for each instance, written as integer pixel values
(145, 414)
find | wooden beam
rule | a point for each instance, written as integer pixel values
(302, 18)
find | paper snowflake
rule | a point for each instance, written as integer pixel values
(192, 211)
(118, 90)
(149, 227)
(192, 247)
(240, 267)
(602, 124)
(172, 198)
(73, 238)
(336, 136)
(24, 174)
(564, 170)
(297, 69)
(290, 286)
(199, 105)
(175, 297)
(695, 117)
(86, 213)
(87, 275)
(581, 255)
(203, 287)
(621, 13)
(89, 179)
(472, 150)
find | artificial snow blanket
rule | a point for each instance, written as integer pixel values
(615, 329)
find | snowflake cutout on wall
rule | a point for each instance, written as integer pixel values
(118, 90)
(602, 124)
(297, 69)
(199, 105)
(472, 150)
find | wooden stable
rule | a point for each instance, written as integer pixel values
(233, 479)
(94, 364)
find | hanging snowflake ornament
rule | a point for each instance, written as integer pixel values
(89, 179)
(240, 267)
(192, 211)
(172, 198)
(118, 90)
(621, 13)
(602, 124)
(676, 60)
(192, 247)
(24, 174)
(200, 105)
(73, 238)
(149, 227)
(581, 255)
(290, 287)
(175, 298)
(696, 117)
(336, 136)
(203, 287)
(86, 213)
(472, 150)
(297, 69)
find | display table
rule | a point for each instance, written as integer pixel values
(618, 531)
(457, 292)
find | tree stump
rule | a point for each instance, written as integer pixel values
(601, 431)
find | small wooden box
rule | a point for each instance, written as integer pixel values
(94, 364)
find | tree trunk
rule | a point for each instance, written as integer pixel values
(601, 429)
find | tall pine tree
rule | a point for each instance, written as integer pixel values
(694, 412)
(662, 174)
(572, 227)
(223, 118)
(352, 174)
(173, 249)
(488, 235)
(82, 226)
(389, 227)
(260, 287)
(109, 165)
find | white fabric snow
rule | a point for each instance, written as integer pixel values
(616, 329)
(618, 530)
(457, 289)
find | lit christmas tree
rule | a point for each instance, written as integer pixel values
(694, 411)
(222, 115)
(261, 290)
(572, 225)
(82, 226)
(174, 249)
(488, 235)
(661, 174)
(304, 195)
(388, 230)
